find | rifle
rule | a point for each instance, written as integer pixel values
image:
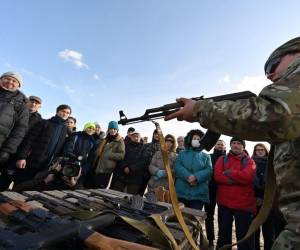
(35, 228)
(209, 139)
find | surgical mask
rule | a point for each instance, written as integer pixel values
(195, 143)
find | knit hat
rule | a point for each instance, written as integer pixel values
(113, 124)
(15, 75)
(290, 46)
(239, 140)
(89, 125)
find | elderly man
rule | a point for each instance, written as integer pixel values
(13, 115)
(34, 105)
(273, 116)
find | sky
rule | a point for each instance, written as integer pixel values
(104, 56)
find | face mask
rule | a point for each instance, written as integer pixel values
(195, 143)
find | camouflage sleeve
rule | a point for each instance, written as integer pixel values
(273, 116)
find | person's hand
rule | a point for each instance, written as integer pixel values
(185, 113)
(127, 170)
(49, 178)
(192, 180)
(21, 164)
(160, 173)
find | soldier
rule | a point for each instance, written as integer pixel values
(273, 116)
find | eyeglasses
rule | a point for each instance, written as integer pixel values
(272, 65)
(259, 149)
(170, 141)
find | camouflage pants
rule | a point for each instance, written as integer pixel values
(287, 240)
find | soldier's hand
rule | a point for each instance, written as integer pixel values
(185, 113)
(21, 164)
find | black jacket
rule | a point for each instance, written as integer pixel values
(260, 175)
(13, 120)
(34, 118)
(35, 148)
(136, 160)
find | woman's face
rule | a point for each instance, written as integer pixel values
(196, 137)
(260, 151)
(71, 124)
(169, 144)
(112, 131)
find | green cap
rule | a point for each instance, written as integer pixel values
(89, 125)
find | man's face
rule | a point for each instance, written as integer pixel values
(135, 137)
(9, 83)
(33, 106)
(64, 113)
(98, 130)
(155, 136)
(180, 142)
(282, 67)
(220, 145)
(236, 147)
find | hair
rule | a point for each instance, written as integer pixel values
(72, 118)
(189, 136)
(63, 106)
(172, 137)
(260, 145)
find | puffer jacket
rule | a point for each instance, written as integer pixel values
(192, 162)
(158, 164)
(234, 178)
(112, 153)
(14, 117)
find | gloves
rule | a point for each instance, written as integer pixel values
(160, 173)
(3, 158)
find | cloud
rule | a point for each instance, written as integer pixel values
(225, 79)
(40, 78)
(69, 90)
(252, 83)
(74, 57)
(96, 77)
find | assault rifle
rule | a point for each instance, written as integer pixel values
(209, 139)
(35, 228)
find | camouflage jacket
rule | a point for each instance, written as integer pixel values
(273, 116)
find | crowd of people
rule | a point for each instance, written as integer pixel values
(32, 149)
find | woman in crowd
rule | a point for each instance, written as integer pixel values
(157, 168)
(193, 170)
(71, 125)
(110, 151)
(80, 144)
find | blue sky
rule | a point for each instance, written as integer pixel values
(103, 56)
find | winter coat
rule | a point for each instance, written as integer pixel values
(14, 117)
(34, 118)
(260, 175)
(192, 162)
(35, 148)
(136, 160)
(234, 177)
(158, 164)
(113, 152)
(80, 144)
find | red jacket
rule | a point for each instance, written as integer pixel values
(234, 177)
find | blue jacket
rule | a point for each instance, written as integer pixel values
(192, 162)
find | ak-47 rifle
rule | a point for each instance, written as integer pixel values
(28, 227)
(209, 139)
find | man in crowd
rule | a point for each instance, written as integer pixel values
(43, 144)
(13, 115)
(180, 144)
(234, 176)
(99, 134)
(219, 150)
(273, 116)
(34, 105)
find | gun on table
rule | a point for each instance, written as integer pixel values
(209, 139)
(34, 228)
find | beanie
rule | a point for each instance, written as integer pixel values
(113, 124)
(89, 125)
(15, 75)
(239, 140)
(290, 46)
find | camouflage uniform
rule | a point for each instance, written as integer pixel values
(273, 116)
